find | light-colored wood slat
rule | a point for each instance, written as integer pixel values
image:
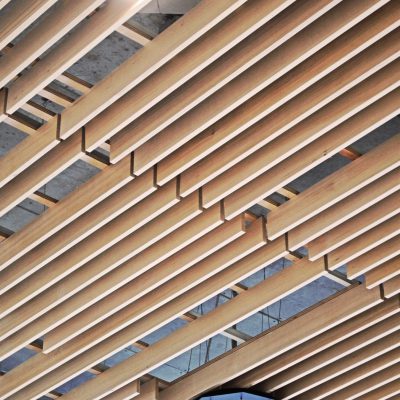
(335, 187)
(90, 33)
(127, 392)
(101, 214)
(3, 3)
(354, 227)
(43, 199)
(3, 96)
(388, 359)
(40, 173)
(109, 294)
(146, 61)
(135, 33)
(273, 343)
(373, 258)
(18, 16)
(170, 311)
(20, 157)
(201, 19)
(56, 97)
(232, 95)
(343, 211)
(202, 225)
(227, 314)
(267, 101)
(94, 161)
(70, 208)
(341, 279)
(169, 292)
(361, 389)
(74, 82)
(149, 390)
(97, 369)
(312, 155)
(288, 192)
(391, 287)
(384, 272)
(313, 347)
(121, 290)
(303, 133)
(230, 333)
(25, 125)
(22, 125)
(99, 26)
(191, 61)
(345, 348)
(364, 243)
(345, 366)
(225, 69)
(38, 110)
(132, 228)
(386, 391)
(63, 17)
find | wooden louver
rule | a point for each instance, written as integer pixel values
(227, 109)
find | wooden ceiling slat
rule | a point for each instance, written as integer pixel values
(90, 33)
(312, 155)
(170, 311)
(368, 385)
(71, 207)
(355, 226)
(245, 304)
(106, 296)
(78, 84)
(384, 272)
(122, 290)
(39, 144)
(391, 287)
(223, 110)
(147, 60)
(273, 343)
(315, 363)
(325, 29)
(225, 69)
(332, 386)
(49, 167)
(132, 32)
(60, 242)
(127, 392)
(357, 325)
(130, 73)
(384, 391)
(149, 390)
(271, 98)
(335, 187)
(374, 257)
(339, 368)
(38, 110)
(3, 96)
(341, 213)
(101, 248)
(193, 60)
(206, 281)
(3, 3)
(301, 134)
(63, 17)
(111, 208)
(364, 243)
(18, 16)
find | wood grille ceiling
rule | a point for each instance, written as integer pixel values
(219, 112)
